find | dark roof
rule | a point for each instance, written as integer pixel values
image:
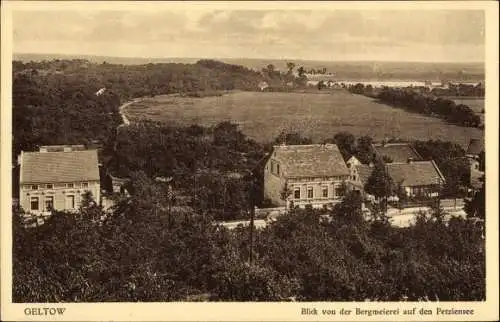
(398, 152)
(476, 182)
(475, 146)
(364, 172)
(315, 160)
(40, 167)
(60, 148)
(418, 173)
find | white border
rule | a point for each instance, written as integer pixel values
(487, 310)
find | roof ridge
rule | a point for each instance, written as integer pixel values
(66, 152)
(304, 145)
(438, 171)
(413, 162)
(393, 143)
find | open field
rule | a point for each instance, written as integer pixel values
(476, 104)
(263, 115)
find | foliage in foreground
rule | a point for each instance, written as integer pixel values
(138, 255)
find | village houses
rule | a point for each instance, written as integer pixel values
(417, 177)
(57, 177)
(305, 174)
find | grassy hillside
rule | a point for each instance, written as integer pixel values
(263, 115)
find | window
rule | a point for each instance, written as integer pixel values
(70, 185)
(296, 193)
(325, 192)
(34, 203)
(272, 167)
(50, 186)
(339, 191)
(85, 185)
(70, 202)
(34, 187)
(49, 203)
(277, 168)
(310, 193)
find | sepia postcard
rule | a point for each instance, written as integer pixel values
(249, 161)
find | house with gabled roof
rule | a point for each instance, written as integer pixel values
(396, 152)
(313, 174)
(420, 179)
(57, 177)
(474, 149)
(417, 177)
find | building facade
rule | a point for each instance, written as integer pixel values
(305, 174)
(57, 179)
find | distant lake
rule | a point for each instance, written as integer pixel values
(386, 83)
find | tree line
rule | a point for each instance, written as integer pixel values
(413, 101)
(460, 90)
(284, 81)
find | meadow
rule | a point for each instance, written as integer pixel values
(263, 115)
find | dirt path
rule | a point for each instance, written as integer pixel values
(122, 108)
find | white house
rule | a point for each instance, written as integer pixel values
(57, 177)
(309, 174)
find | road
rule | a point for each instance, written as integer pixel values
(260, 223)
(406, 217)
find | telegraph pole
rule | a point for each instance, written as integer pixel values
(252, 194)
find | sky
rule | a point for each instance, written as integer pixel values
(337, 35)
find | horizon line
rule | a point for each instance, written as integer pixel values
(250, 58)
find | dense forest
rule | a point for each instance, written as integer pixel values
(139, 254)
(56, 102)
(413, 100)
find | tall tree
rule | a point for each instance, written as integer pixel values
(364, 150)
(346, 143)
(380, 184)
(476, 207)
